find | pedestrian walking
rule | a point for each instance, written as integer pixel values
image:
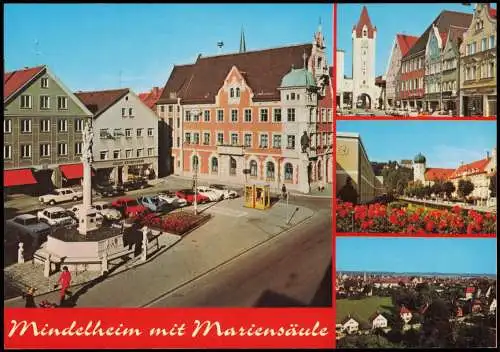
(64, 281)
(29, 297)
(283, 191)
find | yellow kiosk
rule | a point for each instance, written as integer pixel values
(258, 196)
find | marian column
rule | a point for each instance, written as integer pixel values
(87, 223)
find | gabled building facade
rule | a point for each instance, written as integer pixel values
(252, 116)
(125, 135)
(412, 90)
(43, 125)
(450, 77)
(478, 64)
(402, 43)
(432, 78)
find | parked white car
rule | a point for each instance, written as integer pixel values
(107, 211)
(75, 209)
(56, 216)
(223, 190)
(172, 199)
(60, 195)
(210, 194)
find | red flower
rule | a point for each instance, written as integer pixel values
(456, 209)
(429, 226)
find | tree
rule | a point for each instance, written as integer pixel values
(448, 188)
(437, 329)
(493, 185)
(465, 187)
(348, 193)
(437, 188)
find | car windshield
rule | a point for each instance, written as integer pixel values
(30, 221)
(132, 203)
(59, 214)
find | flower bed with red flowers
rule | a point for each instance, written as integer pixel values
(178, 223)
(379, 218)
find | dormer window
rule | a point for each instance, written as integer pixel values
(292, 96)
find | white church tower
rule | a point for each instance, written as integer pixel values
(419, 168)
(364, 38)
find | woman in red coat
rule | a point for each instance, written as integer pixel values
(65, 282)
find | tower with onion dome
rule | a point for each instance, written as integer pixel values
(419, 168)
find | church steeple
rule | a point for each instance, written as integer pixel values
(243, 46)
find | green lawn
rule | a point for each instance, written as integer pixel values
(361, 308)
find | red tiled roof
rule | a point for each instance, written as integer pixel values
(404, 310)
(470, 290)
(13, 81)
(99, 101)
(476, 167)
(435, 174)
(263, 71)
(405, 42)
(364, 19)
(150, 98)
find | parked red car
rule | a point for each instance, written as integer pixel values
(128, 206)
(189, 195)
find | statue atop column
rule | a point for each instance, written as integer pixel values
(88, 136)
(305, 142)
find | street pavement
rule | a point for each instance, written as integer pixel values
(211, 248)
(291, 265)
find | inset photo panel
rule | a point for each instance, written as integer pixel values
(416, 178)
(416, 292)
(416, 60)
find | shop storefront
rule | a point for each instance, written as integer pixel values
(118, 171)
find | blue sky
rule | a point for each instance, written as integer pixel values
(390, 19)
(444, 143)
(442, 255)
(86, 45)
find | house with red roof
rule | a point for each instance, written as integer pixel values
(478, 64)
(469, 292)
(405, 314)
(151, 98)
(479, 172)
(253, 116)
(402, 43)
(125, 141)
(43, 124)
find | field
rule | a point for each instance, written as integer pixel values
(361, 308)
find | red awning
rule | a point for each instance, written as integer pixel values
(72, 171)
(18, 177)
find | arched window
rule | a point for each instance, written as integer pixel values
(215, 164)
(253, 168)
(288, 172)
(365, 32)
(237, 92)
(196, 163)
(232, 166)
(270, 170)
(231, 92)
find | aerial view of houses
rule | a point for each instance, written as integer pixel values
(416, 177)
(189, 152)
(442, 62)
(447, 303)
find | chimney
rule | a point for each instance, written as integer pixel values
(487, 154)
